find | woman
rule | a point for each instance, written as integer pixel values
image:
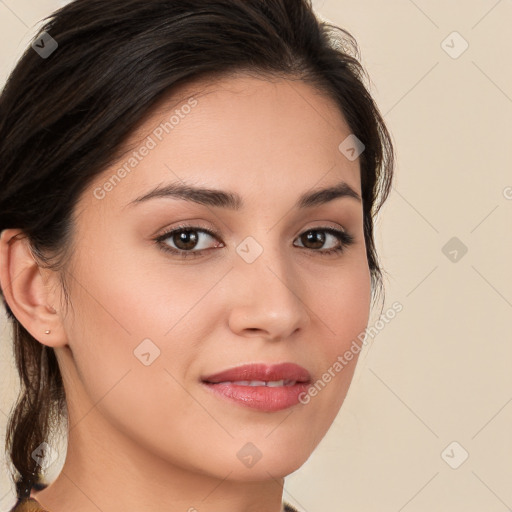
(187, 195)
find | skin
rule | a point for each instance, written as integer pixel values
(150, 437)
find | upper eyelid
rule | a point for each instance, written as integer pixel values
(168, 233)
(213, 232)
(344, 237)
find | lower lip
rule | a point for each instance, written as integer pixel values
(262, 398)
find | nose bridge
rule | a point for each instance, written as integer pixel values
(266, 294)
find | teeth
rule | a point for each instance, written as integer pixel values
(275, 383)
(250, 382)
(270, 384)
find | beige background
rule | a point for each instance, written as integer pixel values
(440, 371)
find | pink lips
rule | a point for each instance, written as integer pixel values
(283, 371)
(261, 397)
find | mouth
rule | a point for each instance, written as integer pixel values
(261, 387)
(254, 383)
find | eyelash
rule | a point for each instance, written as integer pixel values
(345, 238)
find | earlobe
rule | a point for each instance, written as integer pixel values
(25, 290)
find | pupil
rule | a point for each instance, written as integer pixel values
(185, 237)
(315, 237)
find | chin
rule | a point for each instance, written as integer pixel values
(253, 458)
(265, 459)
(266, 469)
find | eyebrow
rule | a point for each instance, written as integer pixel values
(233, 201)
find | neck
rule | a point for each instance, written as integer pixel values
(106, 470)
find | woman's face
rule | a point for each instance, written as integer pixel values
(148, 325)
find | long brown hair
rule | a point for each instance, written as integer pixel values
(64, 117)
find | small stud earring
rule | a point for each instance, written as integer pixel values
(47, 332)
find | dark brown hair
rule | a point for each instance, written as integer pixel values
(64, 119)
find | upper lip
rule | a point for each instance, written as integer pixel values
(261, 372)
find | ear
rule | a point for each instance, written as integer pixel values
(26, 290)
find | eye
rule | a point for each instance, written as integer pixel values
(186, 241)
(185, 238)
(311, 236)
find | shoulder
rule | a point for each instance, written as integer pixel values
(32, 505)
(28, 505)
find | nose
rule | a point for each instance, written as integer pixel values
(266, 298)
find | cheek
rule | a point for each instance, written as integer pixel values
(349, 306)
(342, 307)
(129, 296)
(124, 311)
(340, 298)
(133, 326)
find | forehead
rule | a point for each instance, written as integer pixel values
(243, 133)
